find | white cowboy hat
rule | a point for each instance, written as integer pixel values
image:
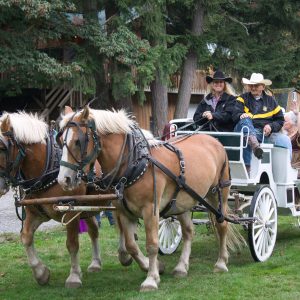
(257, 78)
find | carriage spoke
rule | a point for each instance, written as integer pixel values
(259, 243)
(271, 213)
(257, 225)
(258, 233)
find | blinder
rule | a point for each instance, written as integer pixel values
(82, 143)
(11, 164)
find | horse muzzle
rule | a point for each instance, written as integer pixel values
(4, 188)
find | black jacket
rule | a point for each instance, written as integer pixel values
(263, 111)
(222, 115)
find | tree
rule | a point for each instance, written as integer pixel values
(189, 65)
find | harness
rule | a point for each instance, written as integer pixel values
(83, 140)
(14, 176)
(138, 159)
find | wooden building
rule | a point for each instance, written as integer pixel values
(50, 102)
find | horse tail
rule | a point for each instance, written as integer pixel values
(234, 241)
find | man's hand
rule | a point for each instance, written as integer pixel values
(244, 116)
(208, 115)
(267, 130)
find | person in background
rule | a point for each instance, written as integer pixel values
(259, 114)
(291, 127)
(108, 214)
(214, 112)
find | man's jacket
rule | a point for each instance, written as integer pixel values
(263, 111)
(222, 115)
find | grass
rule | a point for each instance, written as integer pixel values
(278, 278)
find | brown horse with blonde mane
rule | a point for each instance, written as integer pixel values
(25, 152)
(142, 178)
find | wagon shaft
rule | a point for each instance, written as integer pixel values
(68, 208)
(66, 199)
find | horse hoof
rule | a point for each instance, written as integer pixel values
(94, 269)
(95, 266)
(125, 259)
(149, 285)
(73, 282)
(220, 268)
(42, 276)
(179, 273)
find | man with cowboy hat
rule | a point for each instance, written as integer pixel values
(214, 111)
(261, 114)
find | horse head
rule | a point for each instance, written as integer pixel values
(5, 148)
(19, 132)
(80, 145)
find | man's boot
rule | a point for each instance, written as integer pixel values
(254, 144)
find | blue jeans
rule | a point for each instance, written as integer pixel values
(278, 139)
(109, 216)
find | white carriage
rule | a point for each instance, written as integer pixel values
(271, 185)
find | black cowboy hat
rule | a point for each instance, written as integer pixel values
(219, 75)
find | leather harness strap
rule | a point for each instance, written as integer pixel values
(182, 185)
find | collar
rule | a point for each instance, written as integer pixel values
(262, 96)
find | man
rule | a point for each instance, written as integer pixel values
(261, 115)
(214, 111)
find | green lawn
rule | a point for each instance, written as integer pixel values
(278, 278)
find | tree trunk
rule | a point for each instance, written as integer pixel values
(189, 66)
(90, 12)
(159, 104)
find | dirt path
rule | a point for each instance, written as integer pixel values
(8, 218)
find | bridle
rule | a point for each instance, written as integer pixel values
(10, 171)
(82, 143)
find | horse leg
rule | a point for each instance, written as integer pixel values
(129, 228)
(187, 226)
(93, 232)
(40, 272)
(222, 229)
(151, 226)
(74, 279)
(220, 265)
(124, 258)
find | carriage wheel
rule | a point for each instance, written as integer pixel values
(169, 235)
(262, 233)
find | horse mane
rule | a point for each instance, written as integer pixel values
(106, 121)
(28, 128)
(153, 142)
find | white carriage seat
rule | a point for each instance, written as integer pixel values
(283, 172)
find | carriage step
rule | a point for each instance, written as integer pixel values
(201, 221)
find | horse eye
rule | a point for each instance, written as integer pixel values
(77, 143)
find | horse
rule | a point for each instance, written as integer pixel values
(144, 179)
(29, 158)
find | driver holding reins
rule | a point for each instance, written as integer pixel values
(214, 112)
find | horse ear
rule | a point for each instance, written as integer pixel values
(68, 110)
(86, 112)
(5, 124)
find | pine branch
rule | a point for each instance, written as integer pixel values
(243, 24)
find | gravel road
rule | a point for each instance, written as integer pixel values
(8, 218)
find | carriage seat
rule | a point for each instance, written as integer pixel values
(283, 172)
(233, 144)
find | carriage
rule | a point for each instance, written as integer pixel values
(145, 182)
(271, 186)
